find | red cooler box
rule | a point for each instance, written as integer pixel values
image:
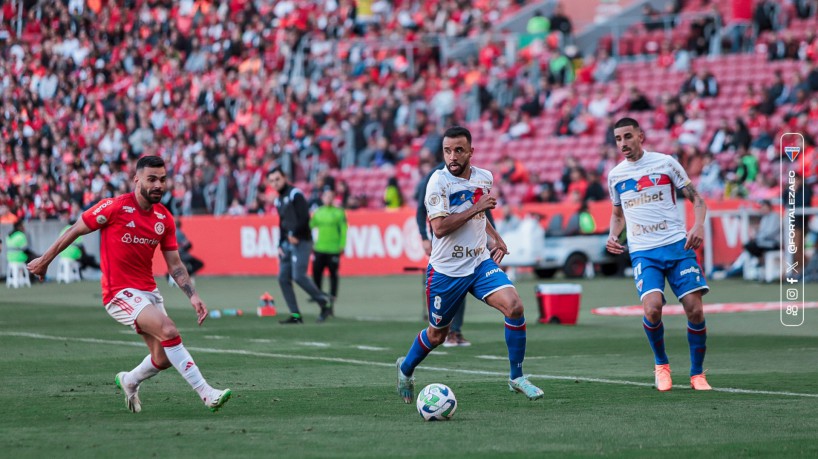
(559, 303)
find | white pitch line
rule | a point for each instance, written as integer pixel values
(313, 344)
(260, 340)
(372, 348)
(392, 365)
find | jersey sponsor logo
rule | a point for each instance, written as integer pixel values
(106, 204)
(159, 216)
(690, 270)
(159, 228)
(129, 239)
(101, 219)
(131, 224)
(438, 302)
(465, 251)
(494, 271)
(639, 230)
(128, 209)
(643, 198)
(644, 182)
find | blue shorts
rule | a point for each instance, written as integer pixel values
(679, 266)
(445, 294)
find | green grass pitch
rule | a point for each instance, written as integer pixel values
(328, 390)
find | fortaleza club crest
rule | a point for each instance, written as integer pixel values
(792, 152)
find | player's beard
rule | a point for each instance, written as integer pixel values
(459, 168)
(151, 197)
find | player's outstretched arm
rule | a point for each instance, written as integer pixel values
(39, 266)
(179, 273)
(617, 225)
(695, 236)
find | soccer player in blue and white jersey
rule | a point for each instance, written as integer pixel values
(643, 190)
(457, 198)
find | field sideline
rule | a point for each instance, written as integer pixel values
(328, 390)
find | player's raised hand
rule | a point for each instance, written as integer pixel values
(486, 202)
(614, 246)
(199, 307)
(695, 237)
(38, 267)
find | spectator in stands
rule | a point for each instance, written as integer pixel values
(546, 193)
(596, 190)
(600, 104)
(748, 167)
(783, 46)
(520, 126)
(692, 129)
(766, 16)
(605, 70)
(561, 22)
(710, 182)
(512, 170)
(722, 139)
(652, 18)
(637, 101)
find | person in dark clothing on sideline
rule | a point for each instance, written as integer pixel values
(295, 247)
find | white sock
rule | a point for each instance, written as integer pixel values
(183, 362)
(145, 370)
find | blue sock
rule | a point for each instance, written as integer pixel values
(419, 350)
(697, 338)
(656, 338)
(515, 340)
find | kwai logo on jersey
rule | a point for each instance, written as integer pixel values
(792, 152)
(639, 230)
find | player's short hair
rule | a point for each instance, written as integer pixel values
(457, 131)
(149, 161)
(625, 122)
(276, 169)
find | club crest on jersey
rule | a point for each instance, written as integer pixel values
(654, 178)
(478, 193)
(159, 228)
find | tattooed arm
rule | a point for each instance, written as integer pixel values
(695, 236)
(179, 273)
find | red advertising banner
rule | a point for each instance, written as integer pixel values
(381, 242)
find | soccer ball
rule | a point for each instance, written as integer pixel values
(436, 402)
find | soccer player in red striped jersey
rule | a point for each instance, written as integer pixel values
(131, 227)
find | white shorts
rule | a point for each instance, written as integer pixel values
(128, 303)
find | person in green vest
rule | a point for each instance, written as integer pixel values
(17, 250)
(392, 197)
(76, 252)
(331, 223)
(587, 224)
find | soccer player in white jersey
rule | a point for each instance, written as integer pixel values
(457, 198)
(643, 191)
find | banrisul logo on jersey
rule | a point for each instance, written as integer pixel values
(128, 239)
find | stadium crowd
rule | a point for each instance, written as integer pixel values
(227, 90)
